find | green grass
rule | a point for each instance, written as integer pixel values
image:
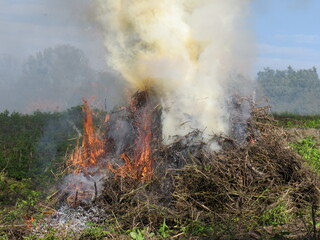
(95, 231)
(309, 149)
(32, 145)
(289, 120)
(277, 215)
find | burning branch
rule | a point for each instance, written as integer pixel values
(92, 147)
(83, 158)
(141, 165)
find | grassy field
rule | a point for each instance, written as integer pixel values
(288, 120)
(33, 151)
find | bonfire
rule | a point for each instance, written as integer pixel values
(143, 182)
(184, 152)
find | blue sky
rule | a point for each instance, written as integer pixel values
(287, 31)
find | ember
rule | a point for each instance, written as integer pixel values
(29, 221)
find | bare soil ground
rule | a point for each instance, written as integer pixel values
(296, 134)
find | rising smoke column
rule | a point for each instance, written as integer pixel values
(189, 51)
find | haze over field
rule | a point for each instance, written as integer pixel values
(286, 34)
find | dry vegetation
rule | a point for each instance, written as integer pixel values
(247, 189)
(254, 187)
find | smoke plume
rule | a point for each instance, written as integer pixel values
(191, 52)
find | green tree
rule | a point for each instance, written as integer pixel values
(56, 75)
(290, 90)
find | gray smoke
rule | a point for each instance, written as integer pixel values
(52, 56)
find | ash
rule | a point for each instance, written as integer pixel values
(71, 220)
(84, 185)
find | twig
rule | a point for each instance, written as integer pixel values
(314, 221)
(52, 195)
(2, 171)
(95, 192)
(8, 226)
(178, 235)
(75, 199)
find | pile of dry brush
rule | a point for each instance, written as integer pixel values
(229, 190)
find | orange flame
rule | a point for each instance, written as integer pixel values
(84, 157)
(29, 221)
(142, 154)
(92, 147)
(251, 139)
(141, 166)
(107, 118)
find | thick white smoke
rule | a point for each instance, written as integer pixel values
(189, 51)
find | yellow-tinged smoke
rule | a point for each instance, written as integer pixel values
(188, 51)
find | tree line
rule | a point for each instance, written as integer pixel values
(290, 90)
